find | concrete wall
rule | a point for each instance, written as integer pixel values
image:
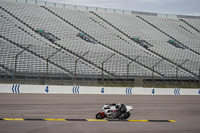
(51, 89)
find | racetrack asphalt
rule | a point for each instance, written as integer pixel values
(185, 110)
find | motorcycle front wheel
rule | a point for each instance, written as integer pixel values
(100, 116)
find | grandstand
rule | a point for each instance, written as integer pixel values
(49, 41)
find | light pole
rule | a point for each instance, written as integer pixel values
(47, 60)
(128, 68)
(153, 72)
(76, 63)
(102, 76)
(16, 56)
(199, 76)
(177, 70)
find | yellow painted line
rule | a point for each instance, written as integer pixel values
(55, 120)
(52, 119)
(13, 119)
(96, 120)
(138, 120)
(172, 121)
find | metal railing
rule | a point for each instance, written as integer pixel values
(63, 79)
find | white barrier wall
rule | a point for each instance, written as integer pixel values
(51, 89)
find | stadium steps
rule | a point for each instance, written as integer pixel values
(110, 48)
(111, 25)
(189, 25)
(167, 34)
(23, 29)
(16, 17)
(186, 29)
(109, 73)
(175, 40)
(26, 31)
(174, 63)
(32, 36)
(39, 56)
(69, 51)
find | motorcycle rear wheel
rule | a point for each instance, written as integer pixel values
(125, 116)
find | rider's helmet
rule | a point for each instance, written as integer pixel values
(118, 105)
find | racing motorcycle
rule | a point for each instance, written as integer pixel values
(114, 111)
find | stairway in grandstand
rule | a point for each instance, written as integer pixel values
(110, 34)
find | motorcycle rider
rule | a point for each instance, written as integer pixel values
(113, 106)
(114, 110)
(118, 108)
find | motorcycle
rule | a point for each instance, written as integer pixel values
(114, 111)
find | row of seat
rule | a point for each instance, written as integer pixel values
(82, 19)
(15, 34)
(53, 27)
(133, 26)
(26, 62)
(109, 41)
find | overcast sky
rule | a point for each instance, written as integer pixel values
(185, 7)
